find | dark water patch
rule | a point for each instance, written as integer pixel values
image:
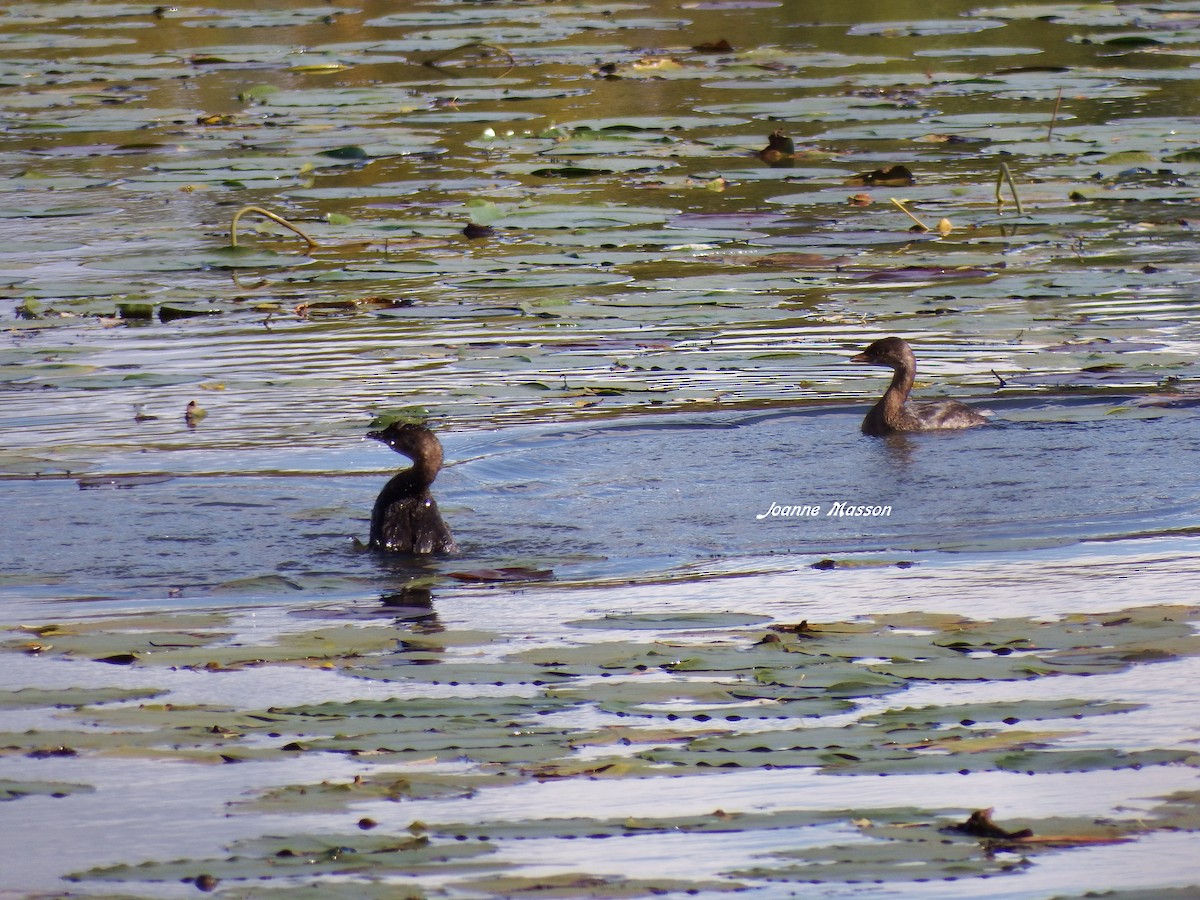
(708, 487)
(119, 481)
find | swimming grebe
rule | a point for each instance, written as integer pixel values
(406, 518)
(893, 412)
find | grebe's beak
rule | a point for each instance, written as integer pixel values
(374, 435)
(861, 358)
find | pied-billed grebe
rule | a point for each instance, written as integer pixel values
(893, 412)
(406, 518)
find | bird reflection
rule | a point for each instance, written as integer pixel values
(412, 605)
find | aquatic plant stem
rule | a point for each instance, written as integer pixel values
(433, 61)
(1006, 176)
(904, 209)
(258, 210)
(1054, 114)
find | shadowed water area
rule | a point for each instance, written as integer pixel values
(548, 229)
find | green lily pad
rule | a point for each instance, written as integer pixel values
(599, 886)
(1179, 810)
(657, 621)
(1092, 760)
(912, 860)
(32, 698)
(308, 855)
(1009, 712)
(327, 797)
(924, 849)
(15, 790)
(431, 669)
(209, 649)
(220, 258)
(53, 743)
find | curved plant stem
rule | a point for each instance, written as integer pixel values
(258, 210)
(434, 61)
(244, 285)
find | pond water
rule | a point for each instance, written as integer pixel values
(638, 368)
(637, 498)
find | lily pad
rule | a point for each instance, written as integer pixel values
(327, 797)
(32, 698)
(225, 258)
(15, 790)
(687, 621)
(581, 885)
(309, 855)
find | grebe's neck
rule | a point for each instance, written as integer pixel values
(891, 414)
(902, 383)
(426, 466)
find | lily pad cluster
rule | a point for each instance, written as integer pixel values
(636, 245)
(710, 695)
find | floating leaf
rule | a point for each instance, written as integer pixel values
(15, 790)
(31, 698)
(306, 855)
(598, 886)
(508, 573)
(668, 620)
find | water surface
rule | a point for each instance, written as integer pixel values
(643, 357)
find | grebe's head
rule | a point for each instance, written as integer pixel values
(416, 442)
(889, 351)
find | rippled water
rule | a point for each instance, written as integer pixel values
(635, 498)
(602, 293)
(644, 356)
